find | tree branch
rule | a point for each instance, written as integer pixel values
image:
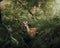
(26, 7)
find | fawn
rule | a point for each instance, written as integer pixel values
(30, 31)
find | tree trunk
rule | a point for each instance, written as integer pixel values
(0, 17)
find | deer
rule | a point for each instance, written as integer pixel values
(30, 30)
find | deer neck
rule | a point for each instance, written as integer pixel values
(27, 27)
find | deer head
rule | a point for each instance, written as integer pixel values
(25, 23)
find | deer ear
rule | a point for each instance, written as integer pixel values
(24, 21)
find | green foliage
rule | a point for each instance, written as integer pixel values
(13, 33)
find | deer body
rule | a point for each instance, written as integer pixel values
(30, 31)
